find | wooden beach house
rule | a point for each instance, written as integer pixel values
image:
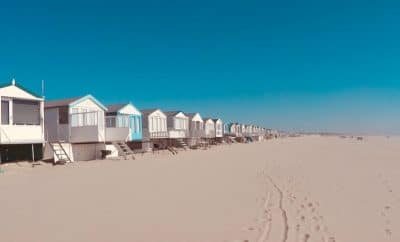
(219, 130)
(178, 128)
(230, 129)
(22, 125)
(209, 130)
(196, 129)
(74, 129)
(123, 129)
(226, 129)
(155, 131)
(236, 131)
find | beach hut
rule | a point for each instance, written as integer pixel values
(209, 129)
(123, 129)
(219, 130)
(226, 129)
(233, 130)
(155, 132)
(242, 130)
(230, 133)
(178, 128)
(22, 126)
(196, 129)
(74, 129)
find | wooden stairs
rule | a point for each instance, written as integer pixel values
(124, 150)
(59, 153)
(182, 144)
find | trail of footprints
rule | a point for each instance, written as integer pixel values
(301, 219)
(310, 225)
(386, 211)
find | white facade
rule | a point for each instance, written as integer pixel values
(196, 126)
(80, 121)
(196, 129)
(209, 128)
(235, 130)
(219, 128)
(178, 125)
(124, 124)
(154, 124)
(21, 116)
(76, 152)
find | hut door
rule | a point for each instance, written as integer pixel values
(132, 126)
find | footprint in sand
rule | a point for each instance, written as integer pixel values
(388, 232)
(331, 239)
(250, 229)
(306, 237)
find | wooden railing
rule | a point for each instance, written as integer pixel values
(158, 134)
(196, 133)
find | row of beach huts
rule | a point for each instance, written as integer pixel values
(83, 128)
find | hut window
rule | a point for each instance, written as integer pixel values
(74, 117)
(163, 124)
(91, 118)
(123, 121)
(63, 115)
(83, 118)
(5, 112)
(26, 112)
(158, 125)
(110, 122)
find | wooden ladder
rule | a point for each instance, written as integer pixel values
(182, 144)
(123, 149)
(60, 153)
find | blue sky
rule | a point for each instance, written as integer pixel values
(292, 65)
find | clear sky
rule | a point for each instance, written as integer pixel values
(292, 65)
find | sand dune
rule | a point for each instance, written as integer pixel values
(296, 189)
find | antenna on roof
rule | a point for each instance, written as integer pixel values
(13, 82)
(42, 88)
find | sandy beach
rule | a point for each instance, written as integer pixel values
(301, 189)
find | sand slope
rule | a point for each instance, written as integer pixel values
(296, 189)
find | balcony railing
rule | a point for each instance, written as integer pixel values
(196, 133)
(158, 134)
(178, 133)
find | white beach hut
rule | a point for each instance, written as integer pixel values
(123, 129)
(209, 128)
(178, 128)
(74, 129)
(219, 129)
(196, 129)
(155, 131)
(22, 125)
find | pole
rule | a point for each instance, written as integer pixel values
(42, 88)
(33, 154)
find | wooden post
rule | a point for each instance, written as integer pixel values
(33, 154)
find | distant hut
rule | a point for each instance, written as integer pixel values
(196, 129)
(155, 131)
